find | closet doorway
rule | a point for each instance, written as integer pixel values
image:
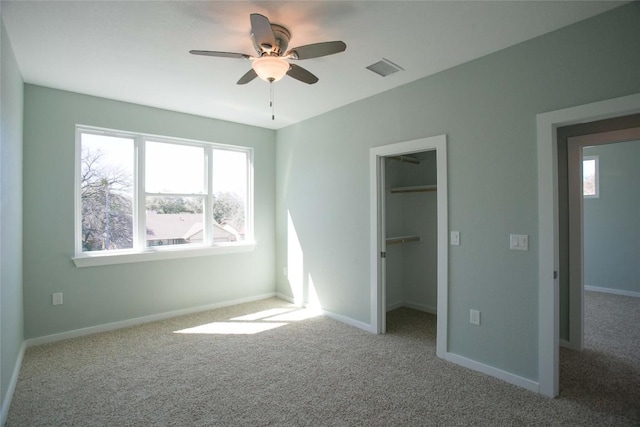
(409, 264)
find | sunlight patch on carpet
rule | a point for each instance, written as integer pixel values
(231, 328)
(254, 323)
(263, 314)
(295, 316)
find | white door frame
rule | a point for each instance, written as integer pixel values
(548, 250)
(376, 174)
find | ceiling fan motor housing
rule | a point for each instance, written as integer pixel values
(282, 37)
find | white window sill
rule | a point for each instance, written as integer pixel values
(93, 259)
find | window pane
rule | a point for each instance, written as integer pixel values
(230, 192)
(589, 177)
(174, 220)
(106, 188)
(173, 168)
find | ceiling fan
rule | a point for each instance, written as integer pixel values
(272, 63)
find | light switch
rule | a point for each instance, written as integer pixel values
(474, 317)
(57, 298)
(519, 242)
(455, 238)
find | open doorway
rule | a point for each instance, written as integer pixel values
(549, 231)
(604, 268)
(609, 241)
(432, 153)
(410, 206)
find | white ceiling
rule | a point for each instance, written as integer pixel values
(137, 51)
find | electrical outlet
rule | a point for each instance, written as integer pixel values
(57, 298)
(474, 317)
(285, 271)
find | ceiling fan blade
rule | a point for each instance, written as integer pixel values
(249, 75)
(219, 54)
(316, 50)
(262, 32)
(301, 74)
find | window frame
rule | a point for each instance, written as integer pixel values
(140, 251)
(596, 172)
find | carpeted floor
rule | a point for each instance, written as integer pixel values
(314, 371)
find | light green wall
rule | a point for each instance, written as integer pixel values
(100, 295)
(488, 110)
(11, 311)
(612, 221)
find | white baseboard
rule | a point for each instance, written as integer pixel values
(612, 291)
(285, 297)
(421, 307)
(4, 412)
(413, 305)
(140, 320)
(564, 343)
(394, 305)
(494, 372)
(349, 321)
(344, 319)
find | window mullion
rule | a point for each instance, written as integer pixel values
(140, 196)
(208, 200)
(249, 195)
(78, 193)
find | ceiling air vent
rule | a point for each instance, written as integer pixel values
(384, 67)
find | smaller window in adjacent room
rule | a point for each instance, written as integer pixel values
(590, 179)
(140, 194)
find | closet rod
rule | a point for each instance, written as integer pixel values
(406, 159)
(402, 240)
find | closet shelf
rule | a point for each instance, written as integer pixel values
(414, 189)
(405, 159)
(402, 239)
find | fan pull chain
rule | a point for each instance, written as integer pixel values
(271, 100)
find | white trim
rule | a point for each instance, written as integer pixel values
(576, 253)
(340, 318)
(394, 305)
(439, 144)
(566, 344)
(412, 305)
(93, 259)
(622, 292)
(349, 321)
(377, 243)
(285, 297)
(140, 320)
(421, 307)
(6, 404)
(548, 295)
(494, 372)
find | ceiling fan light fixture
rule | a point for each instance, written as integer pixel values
(270, 68)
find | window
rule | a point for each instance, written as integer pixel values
(590, 179)
(140, 194)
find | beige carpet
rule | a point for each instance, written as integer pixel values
(314, 371)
